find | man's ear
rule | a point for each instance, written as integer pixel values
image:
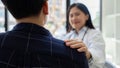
(45, 8)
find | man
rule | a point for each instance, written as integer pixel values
(29, 44)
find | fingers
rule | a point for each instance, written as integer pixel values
(82, 49)
(72, 43)
(70, 40)
(77, 45)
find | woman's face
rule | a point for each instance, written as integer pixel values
(77, 18)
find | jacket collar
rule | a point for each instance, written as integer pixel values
(31, 28)
(83, 29)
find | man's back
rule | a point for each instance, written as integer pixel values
(29, 45)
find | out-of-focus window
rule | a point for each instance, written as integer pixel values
(57, 17)
(11, 21)
(2, 29)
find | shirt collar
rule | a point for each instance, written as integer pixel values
(31, 28)
(83, 29)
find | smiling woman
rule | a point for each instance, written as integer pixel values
(94, 8)
(77, 18)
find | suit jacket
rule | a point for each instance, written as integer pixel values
(30, 45)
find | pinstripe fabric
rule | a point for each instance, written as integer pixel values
(31, 46)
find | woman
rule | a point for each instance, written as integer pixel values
(84, 37)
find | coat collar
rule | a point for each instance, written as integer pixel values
(31, 28)
(83, 29)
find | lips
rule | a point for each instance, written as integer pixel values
(75, 22)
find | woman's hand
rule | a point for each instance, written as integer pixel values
(79, 45)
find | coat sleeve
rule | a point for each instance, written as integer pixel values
(97, 50)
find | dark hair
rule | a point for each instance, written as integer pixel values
(23, 8)
(84, 9)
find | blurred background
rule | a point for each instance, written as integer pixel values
(105, 16)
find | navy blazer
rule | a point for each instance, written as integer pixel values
(30, 45)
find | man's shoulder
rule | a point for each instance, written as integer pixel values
(55, 40)
(58, 43)
(2, 35)
(66, 53)
(60, 46)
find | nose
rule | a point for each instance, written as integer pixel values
(74, 18)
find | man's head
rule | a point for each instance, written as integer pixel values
(26, 8)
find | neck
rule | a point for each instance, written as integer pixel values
(78, 29)
(35, 20)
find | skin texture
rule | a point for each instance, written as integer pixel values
(77, 18)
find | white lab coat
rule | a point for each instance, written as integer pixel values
(94, 41)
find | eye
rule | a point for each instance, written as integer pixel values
(77, 14)
(71, 15)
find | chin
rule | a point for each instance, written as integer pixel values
(76, 27)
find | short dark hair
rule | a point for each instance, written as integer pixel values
(24, 8)
(84, 9)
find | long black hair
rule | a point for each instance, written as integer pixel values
(84, 9)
